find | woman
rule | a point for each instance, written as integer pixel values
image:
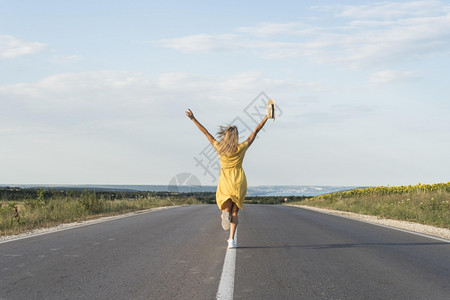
(232, 185)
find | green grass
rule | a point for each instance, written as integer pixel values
(425, 204)
(48, 209)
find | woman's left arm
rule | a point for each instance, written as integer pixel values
(210, 138)
(252, 136)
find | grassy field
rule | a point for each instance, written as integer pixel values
(26, 209)
(421, 203)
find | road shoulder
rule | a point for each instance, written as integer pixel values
(442, 233)
(66, 226)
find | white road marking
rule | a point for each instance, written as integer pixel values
(226, 285)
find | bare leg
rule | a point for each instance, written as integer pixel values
(234, 221)
(227, 206)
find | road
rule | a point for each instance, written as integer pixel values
(178, 253)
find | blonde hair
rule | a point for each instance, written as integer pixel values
(229, 140)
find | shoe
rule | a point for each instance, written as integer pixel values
(226, 220)
(231, 244)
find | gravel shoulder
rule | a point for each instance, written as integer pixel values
(442, 233)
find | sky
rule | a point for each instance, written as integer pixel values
(95, 92)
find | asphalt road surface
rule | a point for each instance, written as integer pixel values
(178, 253)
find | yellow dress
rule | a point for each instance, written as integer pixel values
(232, 181)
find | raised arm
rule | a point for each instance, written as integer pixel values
(210, 138)
(252, 136)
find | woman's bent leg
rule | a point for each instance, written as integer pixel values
(227, 207)
(234, 220)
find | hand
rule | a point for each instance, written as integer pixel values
(190, 114)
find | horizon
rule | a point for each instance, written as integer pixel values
(278, 190)
(262, 190)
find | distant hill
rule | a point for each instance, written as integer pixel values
(294, 190)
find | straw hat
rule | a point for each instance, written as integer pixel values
(270, 109)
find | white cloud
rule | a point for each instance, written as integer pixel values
(177, 81)
(71, 100)
(369, 35)
(69, 86)
(404, 41)
(202, 43)
(12, 47)
(98, 98)
(66, 58)
(387, 10)
(390, 76)
(10, 130)
(270, 29)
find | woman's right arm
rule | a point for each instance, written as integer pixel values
(252, 136)
(210, 138)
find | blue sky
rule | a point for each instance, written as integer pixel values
(94, 92)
